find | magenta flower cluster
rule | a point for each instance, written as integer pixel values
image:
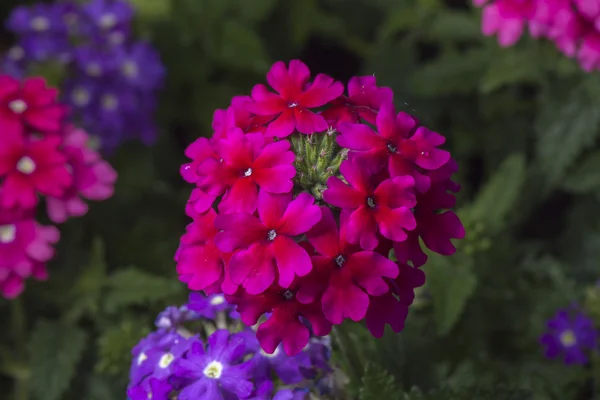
(301, 196)
(224, 361)
(42, 159)
(574, 25)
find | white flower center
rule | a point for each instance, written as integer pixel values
(141, 358)
(26, 165)
(108, 21)
(166, 360)
(116, 38)
(567, 338)
(7, 233)
(93, 69)
(130, 69)
(110, 102)
(164, 322)
(292, 105)
(213, 370)
(217, 300)
(271, 235)
(265, 354)
(16, 53)
(248, 172)
(80, 96)
(39, 24)
(18, 106)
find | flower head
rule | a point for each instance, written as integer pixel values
(571, 334)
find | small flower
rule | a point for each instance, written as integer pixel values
(172, 317)
(147, 354)
(208, 306)
(150, 389)
(30, 167)
(372, 205)
(289, 369)
(265, 244)
(571, 335)
(244, 166)
(217, 371)
(139, 65)
(31, 103)
(291, 106)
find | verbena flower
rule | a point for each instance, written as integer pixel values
(571, 24)
(570, 334)
(112, 80)
(189, 357)
(42, 157)
(298, 204)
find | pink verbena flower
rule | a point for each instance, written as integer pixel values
(93, 178)
(298, 203)
(399, 145)
(506, 18)
(29, 167)
(25, 247)
(346, 275)
(29, 103)
(363, 101)
(296, 96)
(245, 164)
(372, 205)
(266, 243)
(284, 324)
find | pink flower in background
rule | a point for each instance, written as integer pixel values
(93, 178)
(298, 203)
(266, 246)
(25, 247)
(29, 103)
(296, 96)
(30, 167)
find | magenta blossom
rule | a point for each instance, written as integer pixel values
(244, 165)
(372, 207)
(93, 178)
(346, 274)
(25, 247)
(265, 244)
(296, 96)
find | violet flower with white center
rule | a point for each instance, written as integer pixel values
(208, 306)
(150, 388)
(172, 317)
(288, 369)
(217, 371)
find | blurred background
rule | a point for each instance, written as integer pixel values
(521, 121)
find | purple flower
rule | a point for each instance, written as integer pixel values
(263, 391)
(140, 66)
(37, 19)
(146, 354)
(207, 306)
(108, 16)
(218, 372)
(94, 62)
(173, 316)
(288, 369)
(151, 388)
(571, 335)
(291, 394)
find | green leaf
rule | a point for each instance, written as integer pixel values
(450, 287)
(498, 197)
(585, 177)
(114, 347)
(152, 9)
(455, 25)
(253, 11)
(241, 48)
(378, 384)
(567, 125)
(514, 65)
(55, 352)
(134, 287)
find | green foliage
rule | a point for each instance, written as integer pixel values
(55, 350)
(377, 383)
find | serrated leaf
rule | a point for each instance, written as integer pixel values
(498, 197)
(134, 287)
(55, 349)
(450, 287)
(586, 175)
(566, 126)
(378, 384)
(241, 48)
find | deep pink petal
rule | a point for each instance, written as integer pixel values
(265, 102)
(385, 310)
(271, 207)
(242, 197)
(273, 154)
(321, 91)
(341, 195)
(292, 260)
(308, 122)
(282, 126)
(343, 299)
(440, 229)
(287, 329)
(324, 235)
(253, 268)
(359, 137)
(393, 223)
(368, 270)
(386, 122)
(362, 228)
(396, 192)
(276, 179)
(239, 231)
(299, 75)
(279, 78)
(301, 214)
(357, 176)
(410, 250)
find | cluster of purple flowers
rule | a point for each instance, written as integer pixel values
(570, 334)
(112, 80)
(228, 364)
